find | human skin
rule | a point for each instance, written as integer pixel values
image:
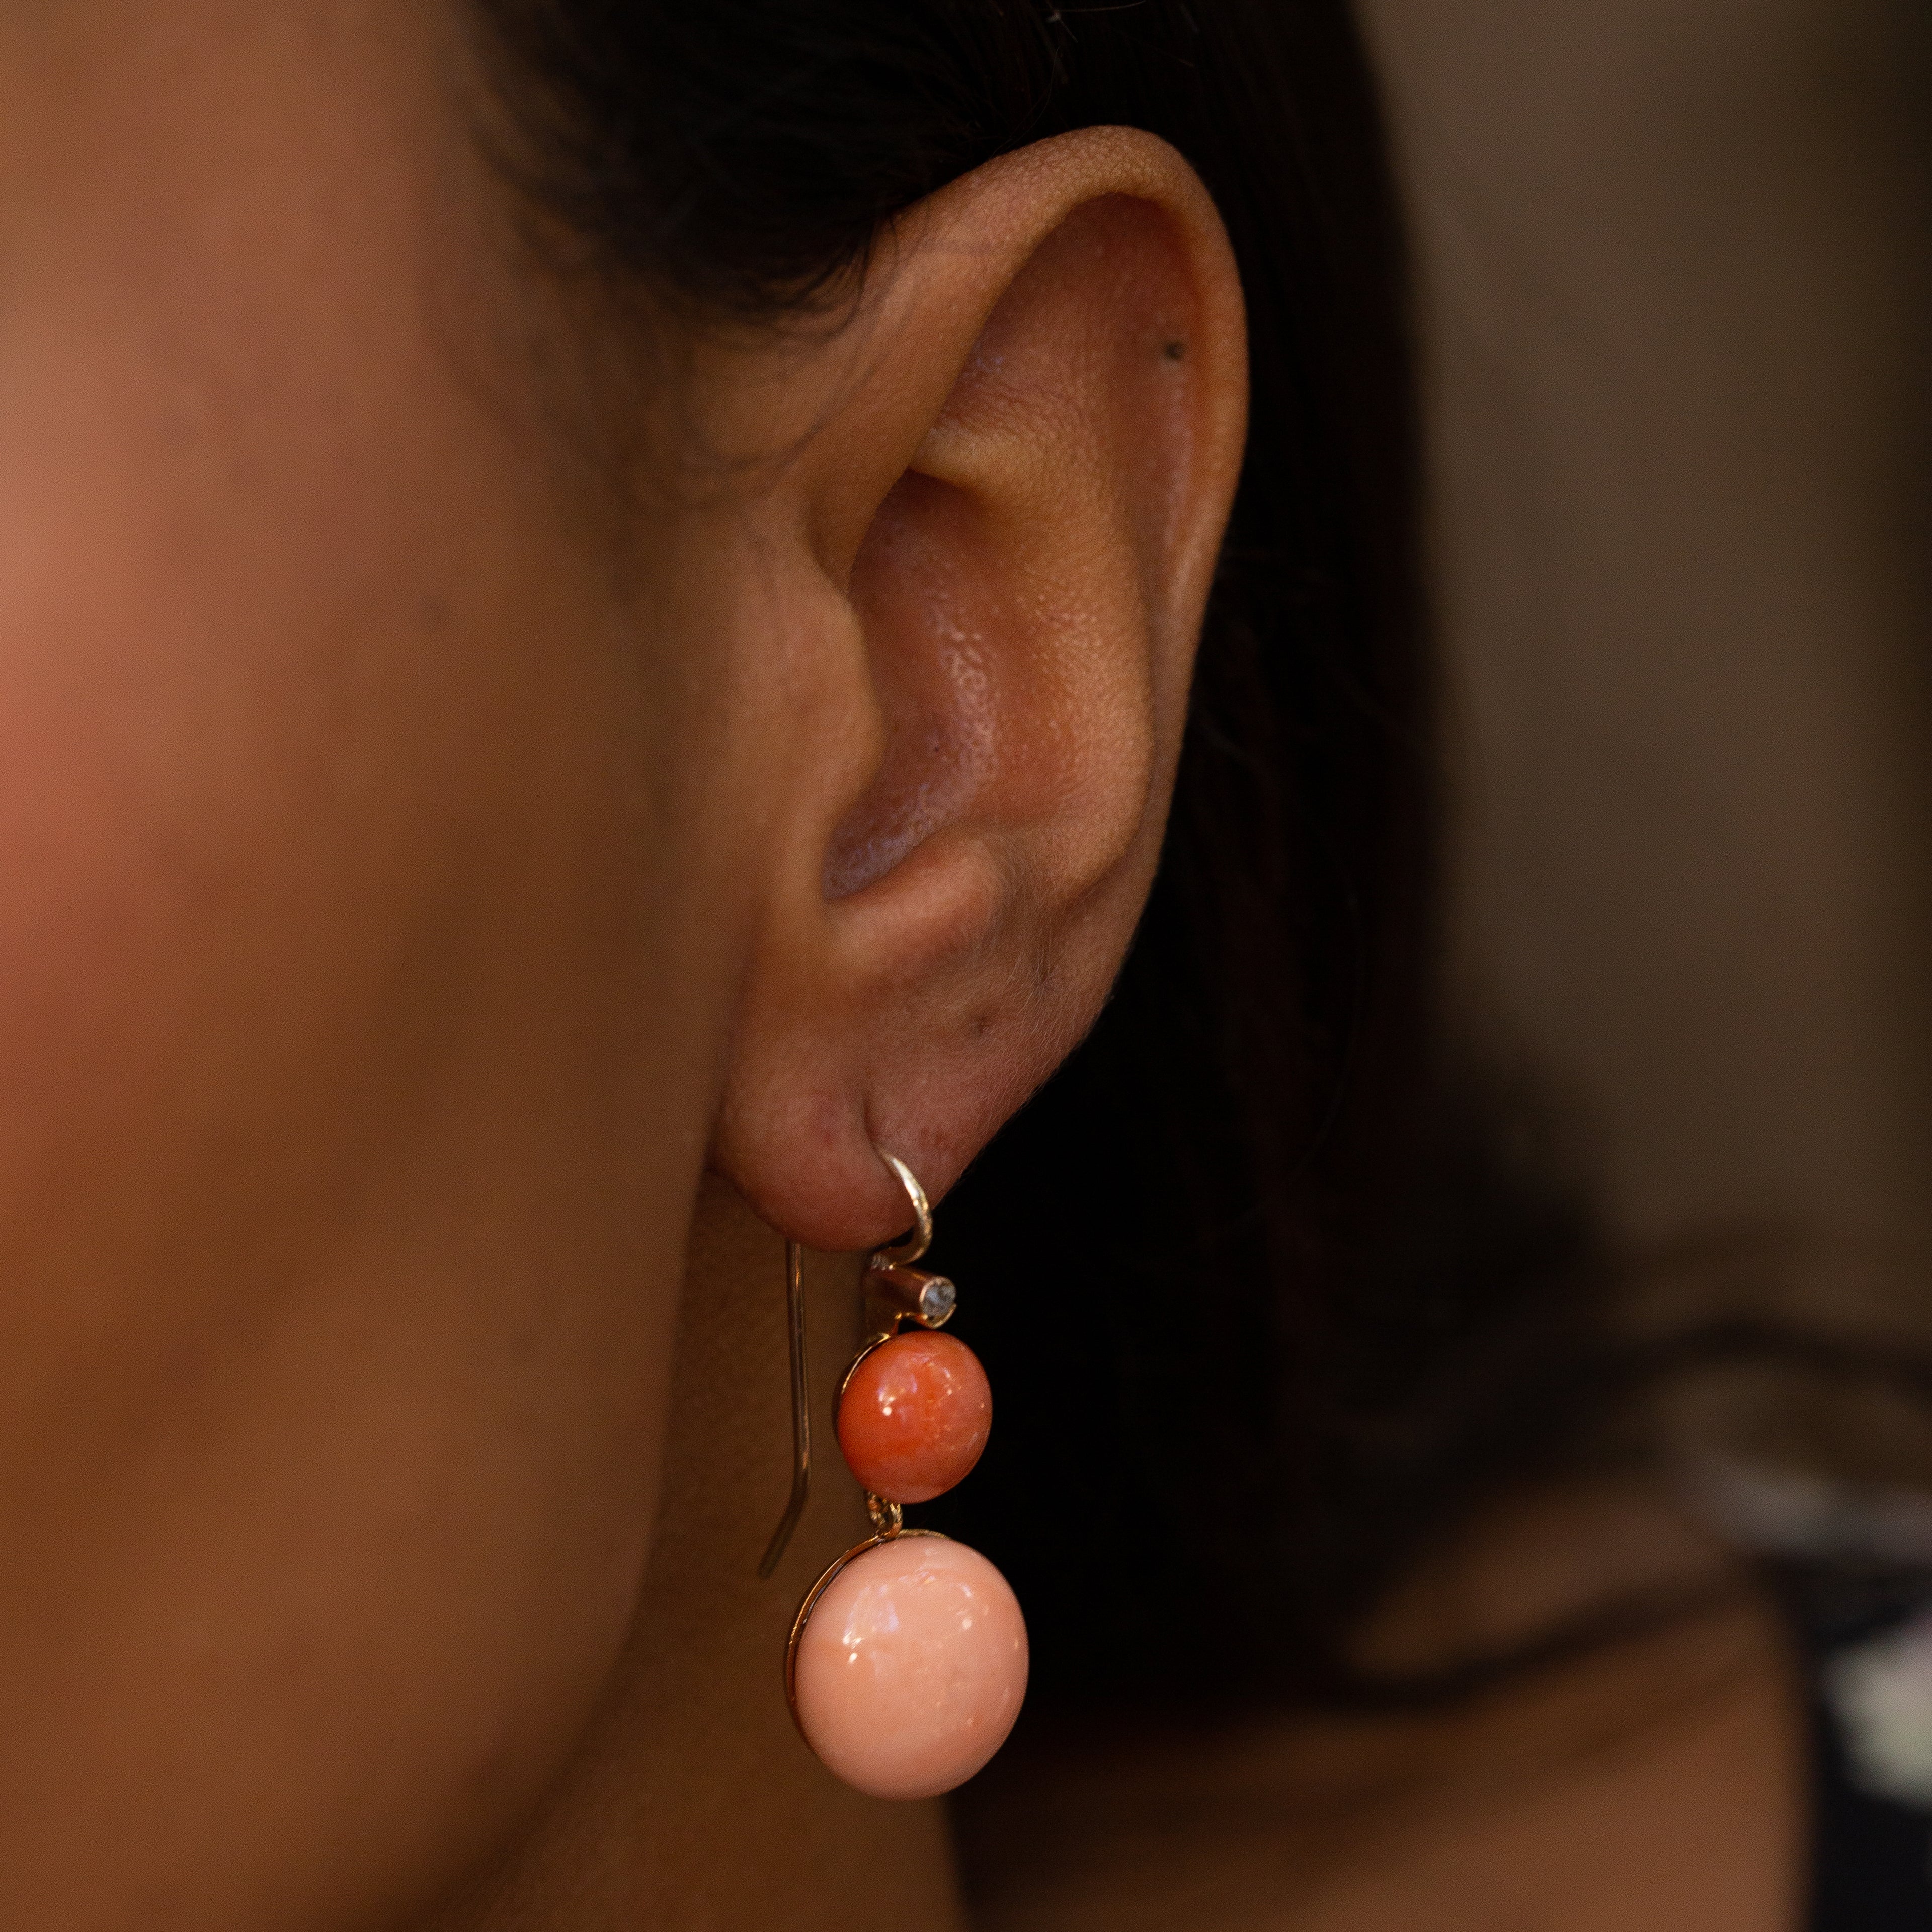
(414, 853)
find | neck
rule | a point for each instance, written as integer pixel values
(692, 1801)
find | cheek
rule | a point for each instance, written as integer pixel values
(353, 1057)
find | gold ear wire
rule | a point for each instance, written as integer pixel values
(801, 1410)
(902, 1256)
(914, 1247)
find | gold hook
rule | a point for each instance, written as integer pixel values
(907, 1252)
(801, 1410)
(914, 1247)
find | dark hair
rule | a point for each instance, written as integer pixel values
(1266, 1299)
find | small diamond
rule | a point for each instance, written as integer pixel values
(937, 1301)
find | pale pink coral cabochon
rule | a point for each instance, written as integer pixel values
(910, 1669)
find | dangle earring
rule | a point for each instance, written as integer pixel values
(908, 1657)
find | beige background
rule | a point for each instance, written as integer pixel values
(1675, 262)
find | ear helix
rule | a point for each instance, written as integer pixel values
(907, 1661)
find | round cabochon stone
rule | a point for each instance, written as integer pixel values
(910, 1669)
(914, 1417)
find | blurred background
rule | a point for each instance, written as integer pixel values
(1676, 293)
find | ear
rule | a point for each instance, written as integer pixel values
(988, 557)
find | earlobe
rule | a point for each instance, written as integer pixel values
(1052, 419)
